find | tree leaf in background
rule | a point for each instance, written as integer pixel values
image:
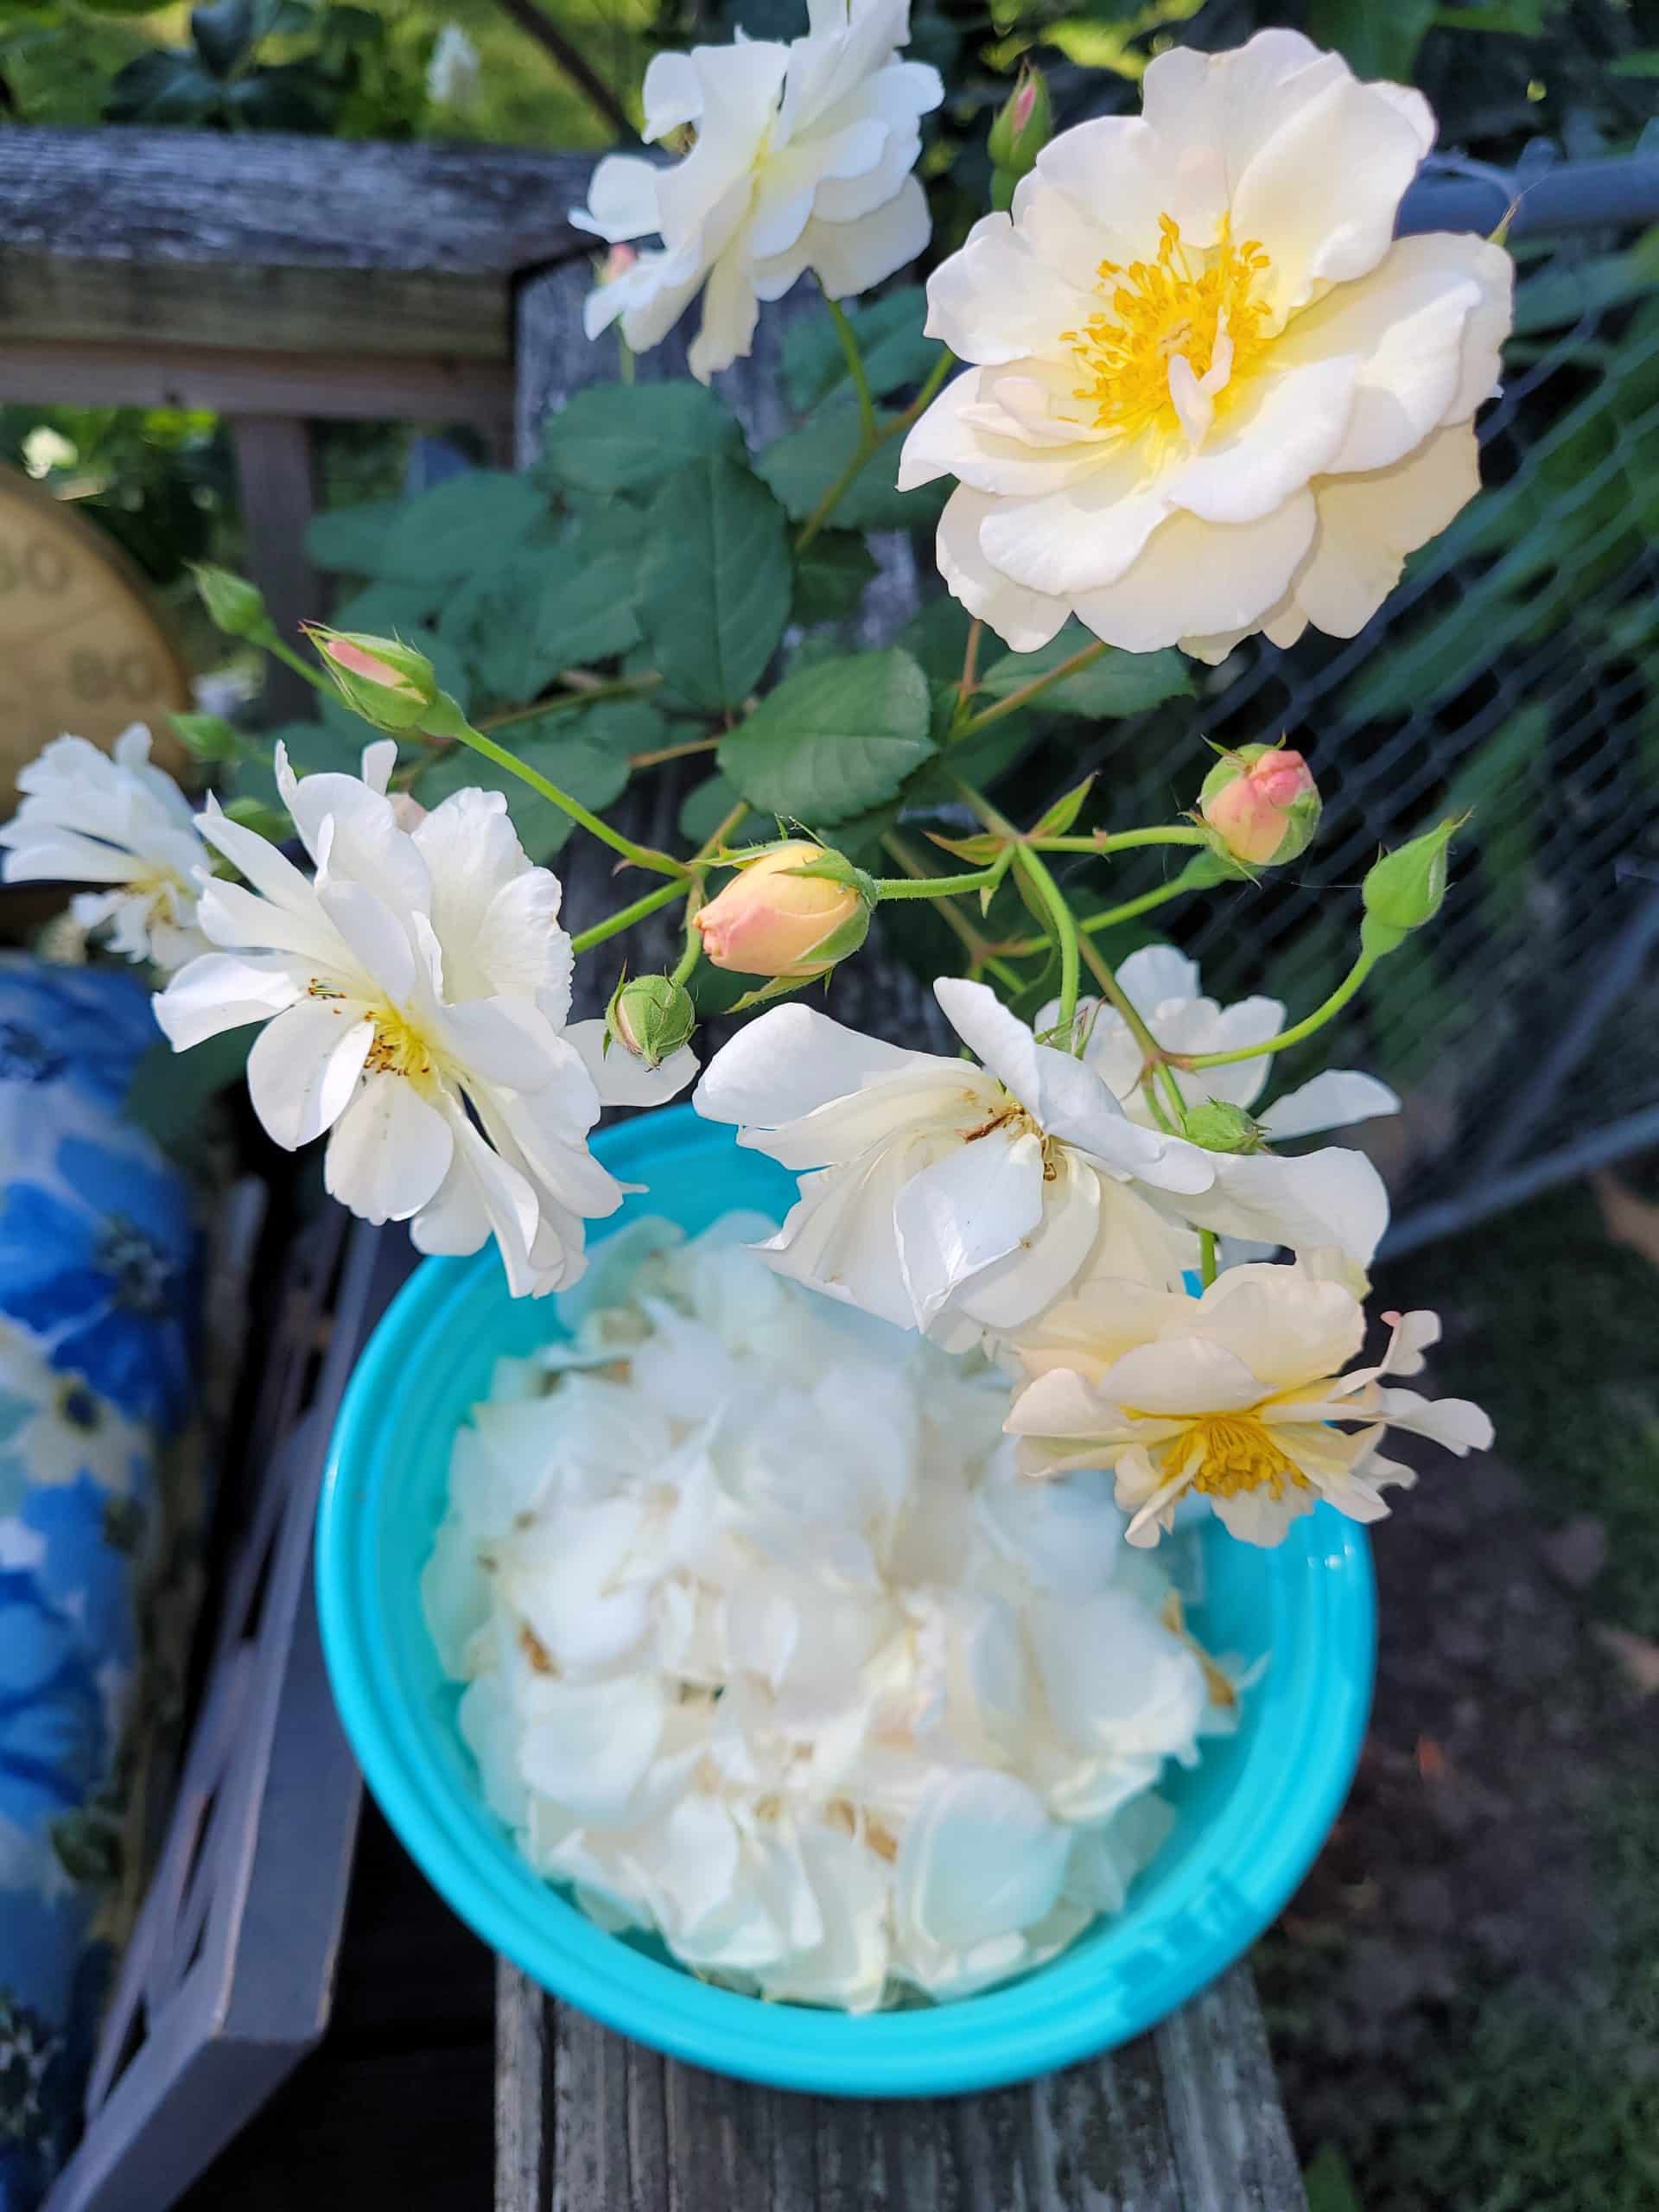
(835, 740)
(801, 466)
(717, 584)
(1117, 683)
(1375, 40)
(831, 577)
(593, 773)
(1330, 2183)
(889, 334)
(622, 438)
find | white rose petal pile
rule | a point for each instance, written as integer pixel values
(771, 1649)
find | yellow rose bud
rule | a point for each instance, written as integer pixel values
(773, 920)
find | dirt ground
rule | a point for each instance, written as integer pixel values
(1464, 1997)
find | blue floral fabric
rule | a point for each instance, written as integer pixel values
(97, 1300)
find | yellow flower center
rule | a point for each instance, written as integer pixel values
(396, 1047)
(1235, 1453)
(1192, 302)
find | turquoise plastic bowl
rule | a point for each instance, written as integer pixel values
(1251, 1816)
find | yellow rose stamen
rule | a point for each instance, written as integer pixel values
(1194, 302)
(1234, 1452)
(396, 1048)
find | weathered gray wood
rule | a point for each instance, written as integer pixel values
(1185, 2120)
(127, 239)
(273, 467)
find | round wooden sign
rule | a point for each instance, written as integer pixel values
(82, 649)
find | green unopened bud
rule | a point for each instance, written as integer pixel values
(1022, 127)
(390, 684)
(651, 1017)
(1219, 1126)
(234, 605)
(1261, 805)
(1405, 889)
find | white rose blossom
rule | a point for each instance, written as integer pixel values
(964, 1199)
(945, 1195)
(802, 161)
(1237, 1395)
(1333, 1196)
(112, 818)
(415, 997)
(1210, 393)
(769, 1648)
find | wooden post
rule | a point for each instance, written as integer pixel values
(273, 467)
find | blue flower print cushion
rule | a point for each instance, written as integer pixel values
(97, 1308)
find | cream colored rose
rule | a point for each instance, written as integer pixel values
(1210, 393)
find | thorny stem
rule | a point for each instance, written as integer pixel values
(1338, 999)
(965, 685)
(1121, 840)
(665, 894)
(1026, 692)
(672, 752)
(937, 887)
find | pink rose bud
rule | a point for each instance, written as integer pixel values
(772, 919)
(388, 683)
(1263, 804)
(616, 263)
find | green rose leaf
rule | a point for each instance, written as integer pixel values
(705, 806)
(801, 466)
(624, 437)
(831, 578)
(472, 522)
(835, 740)
(1117, 683)
(715, 586)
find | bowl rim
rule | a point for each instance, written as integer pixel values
(1244, 1868)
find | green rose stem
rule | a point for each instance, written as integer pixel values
(640, 856)
(1316, 1020)
(872, 439)
(1083, 659)
(664, 895)
(856, 371)
(937, 887)
(1123, 841)
(967, 683)
(982, 955)
(285, 653)
(1207, 1256)
(1038, 876)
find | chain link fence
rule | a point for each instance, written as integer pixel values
(1513, 676)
